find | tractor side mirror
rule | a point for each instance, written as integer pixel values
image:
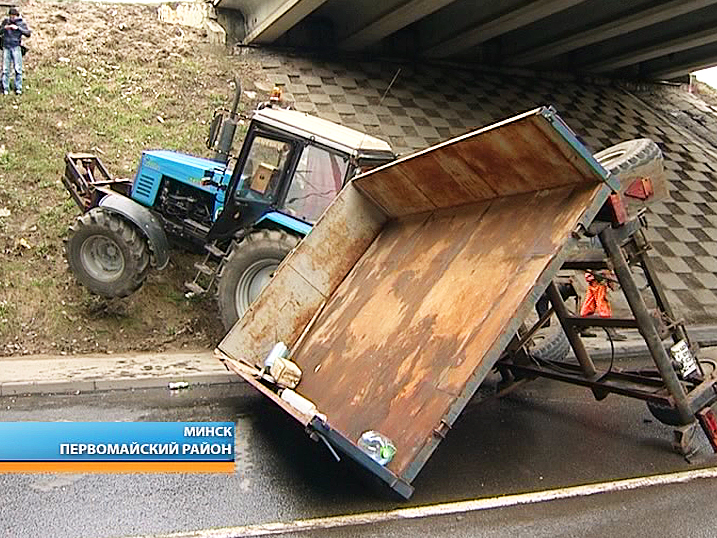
(214, 128)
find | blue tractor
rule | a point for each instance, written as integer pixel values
(246, 217)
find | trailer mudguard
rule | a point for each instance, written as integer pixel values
(145, 222)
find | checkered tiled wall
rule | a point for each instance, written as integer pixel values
(429, 104)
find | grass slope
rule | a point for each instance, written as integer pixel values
(111, 80)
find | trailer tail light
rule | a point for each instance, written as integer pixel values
(709, 425)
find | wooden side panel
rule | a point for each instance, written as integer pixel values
(524, 155)
(279, 314)
(402, 334)
(306, 278)
(398, 186)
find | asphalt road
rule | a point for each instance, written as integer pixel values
(545, 436)
(679, 510)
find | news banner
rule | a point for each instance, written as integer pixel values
(117, 447)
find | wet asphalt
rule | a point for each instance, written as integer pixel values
(546, 435)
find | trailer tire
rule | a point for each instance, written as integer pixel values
(631, 161)
(550, 343)
(247, 269)
(626, 157)
(107, 254)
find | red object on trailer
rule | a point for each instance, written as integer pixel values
(709, 425)
(640, 189)
(619, 211)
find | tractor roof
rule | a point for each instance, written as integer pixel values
(323, 131)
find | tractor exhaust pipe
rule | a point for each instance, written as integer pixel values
(228, 129)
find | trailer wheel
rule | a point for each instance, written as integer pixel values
(632, 160)
(106, 254)
(550, 343)
(625, 157)
(247, 269)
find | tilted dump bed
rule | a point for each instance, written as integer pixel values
(408, 289)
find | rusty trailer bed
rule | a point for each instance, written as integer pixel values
(411, 285)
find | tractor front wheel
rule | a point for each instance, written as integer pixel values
(107, 255)
(247, 269)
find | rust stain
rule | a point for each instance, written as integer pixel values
(413, 319)
(474, 224)
(518, 158)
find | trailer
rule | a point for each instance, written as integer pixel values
(418, 280)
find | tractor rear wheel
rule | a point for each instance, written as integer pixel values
(107, 255)
(247, 268)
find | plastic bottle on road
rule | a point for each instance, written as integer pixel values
(377, 446)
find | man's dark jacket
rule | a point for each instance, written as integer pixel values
(13, 38)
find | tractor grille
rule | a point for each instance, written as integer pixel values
(144, 186)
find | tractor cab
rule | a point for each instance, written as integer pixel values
(291, 166)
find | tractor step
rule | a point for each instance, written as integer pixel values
(195, 288)
(214, 250)
(204, 269)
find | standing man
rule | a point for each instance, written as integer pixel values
(12, 29)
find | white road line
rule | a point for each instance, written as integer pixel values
(460, 507)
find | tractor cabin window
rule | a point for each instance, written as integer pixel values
(318, 178)
(264, 168)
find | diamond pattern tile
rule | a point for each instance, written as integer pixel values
(430, 104)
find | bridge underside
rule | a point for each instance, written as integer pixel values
(644, 39)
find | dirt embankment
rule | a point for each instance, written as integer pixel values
(113, 80)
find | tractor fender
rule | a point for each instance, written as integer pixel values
(288, 222)
(145, 221)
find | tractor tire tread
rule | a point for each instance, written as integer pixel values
(136, 244)
(249, 246)
(554, 347)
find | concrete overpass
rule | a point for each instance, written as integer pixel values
(645, 39)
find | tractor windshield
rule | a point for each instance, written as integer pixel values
(318, 178)
(263, 169)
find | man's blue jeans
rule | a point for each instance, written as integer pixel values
(12, 55)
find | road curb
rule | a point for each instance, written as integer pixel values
(705, 337)
(18, 388)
